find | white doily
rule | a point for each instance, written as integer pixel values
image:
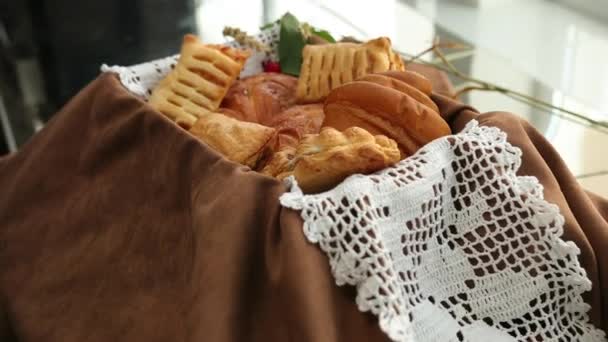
(448, 245)
(140, 79)
(451, 245)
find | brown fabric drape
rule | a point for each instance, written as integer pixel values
(116, 225)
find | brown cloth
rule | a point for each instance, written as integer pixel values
(116, 225)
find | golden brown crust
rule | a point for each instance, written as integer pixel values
(323, 160)
(258, 98)
(384, 110)
(412, 78)
(282, 163)
(232, 113)
(326, 67)
(199, 81)
(396, 61)
(297, 121)
(291, 125)
(239, 141)
(402, 87)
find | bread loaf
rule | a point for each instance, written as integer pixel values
(412, 78)
(384, 110)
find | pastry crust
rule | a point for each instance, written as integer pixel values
(403, 87)
(323, 160)
(239, 141)
(297, 121)
(199, 81)
(412, 78)
(259, 98)
(384, 110)
(291, 125)
(327, 66)
(282, 163)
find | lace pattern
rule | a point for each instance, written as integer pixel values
(451, 245)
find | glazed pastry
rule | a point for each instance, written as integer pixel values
(326, 67)
(291, 125)
(199, 81)
(403, 87)
(239, 141)
(384, 110)
(297, 121)
(258, 98)
(323, 160)
(412, 78)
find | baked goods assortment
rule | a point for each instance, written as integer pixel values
(353, 108)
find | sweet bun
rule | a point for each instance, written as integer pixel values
(258, 98)
(384, 110)
(401, 86)
(412, 78)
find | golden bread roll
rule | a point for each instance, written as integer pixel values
(323, 160)
(199, 81)
(384, 110)
(258, 98)
(239, 141)
(326, 67)
(412, 78)
(295, 122)
(402, 87)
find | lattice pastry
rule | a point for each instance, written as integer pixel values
(327, 66)
(199, 81)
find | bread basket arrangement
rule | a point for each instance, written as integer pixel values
(439, 235)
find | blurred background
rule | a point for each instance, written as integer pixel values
(552, 50)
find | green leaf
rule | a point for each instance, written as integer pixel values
(323, 34)
(269, 25)
(291, 43)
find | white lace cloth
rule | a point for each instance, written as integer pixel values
(448, 245)
(451, 245)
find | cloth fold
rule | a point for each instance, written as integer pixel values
(115, 224)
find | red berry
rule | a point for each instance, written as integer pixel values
(271, 66)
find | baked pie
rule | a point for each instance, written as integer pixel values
(327, 66)
(199, 81)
